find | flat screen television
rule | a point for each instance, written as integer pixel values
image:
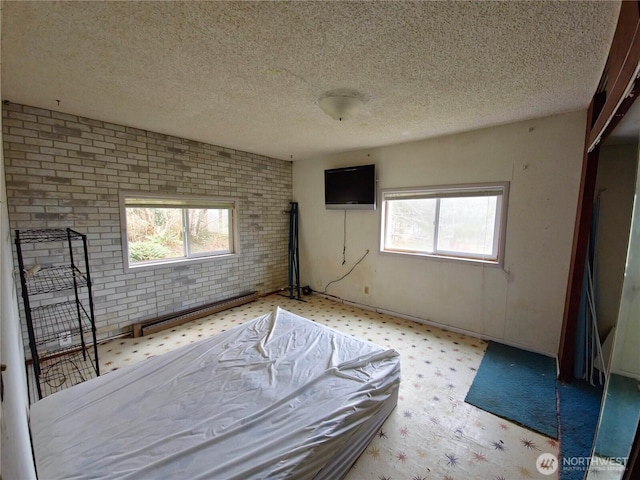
(350, 188)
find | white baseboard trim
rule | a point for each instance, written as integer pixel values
(442, 326)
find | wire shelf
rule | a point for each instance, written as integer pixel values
(62, 334)
(54, 279)
(47, 235)
(63, 371)
(52, 320)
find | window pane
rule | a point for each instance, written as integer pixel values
(467, 225)
(209, 230)
(154, 234)
(410, 225)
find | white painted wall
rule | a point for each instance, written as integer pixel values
(521, 304)
(16, 462)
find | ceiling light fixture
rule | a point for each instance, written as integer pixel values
(341, 104)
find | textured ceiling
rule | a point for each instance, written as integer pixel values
(248, 75)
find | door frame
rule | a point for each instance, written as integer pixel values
(616, 93)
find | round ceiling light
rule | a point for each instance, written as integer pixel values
(341, 104)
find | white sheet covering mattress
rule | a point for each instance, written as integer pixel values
(277, 397)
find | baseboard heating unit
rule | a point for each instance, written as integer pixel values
(171, 320)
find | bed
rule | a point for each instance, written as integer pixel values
(277, 397)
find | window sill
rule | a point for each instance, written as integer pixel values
(445, 258)
(178, 262)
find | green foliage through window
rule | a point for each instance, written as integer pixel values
(167, 229)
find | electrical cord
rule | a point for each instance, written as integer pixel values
(344, 239)
(346, 274)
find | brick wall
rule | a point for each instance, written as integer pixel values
(66, 171)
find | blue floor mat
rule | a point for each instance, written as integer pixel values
(519, 386)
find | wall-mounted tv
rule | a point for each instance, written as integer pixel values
(350, 188)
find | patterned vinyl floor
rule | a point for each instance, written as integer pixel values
(432, 433)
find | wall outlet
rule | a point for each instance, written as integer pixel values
(65, 339)
(366, 290)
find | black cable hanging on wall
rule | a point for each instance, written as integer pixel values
(344, 255)
(348, 273)
(344, 239)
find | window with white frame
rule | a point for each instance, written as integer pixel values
(459, 222)
(166, 229)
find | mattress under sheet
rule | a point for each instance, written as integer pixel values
(277, 397)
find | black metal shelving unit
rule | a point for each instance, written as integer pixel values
(58, 305)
